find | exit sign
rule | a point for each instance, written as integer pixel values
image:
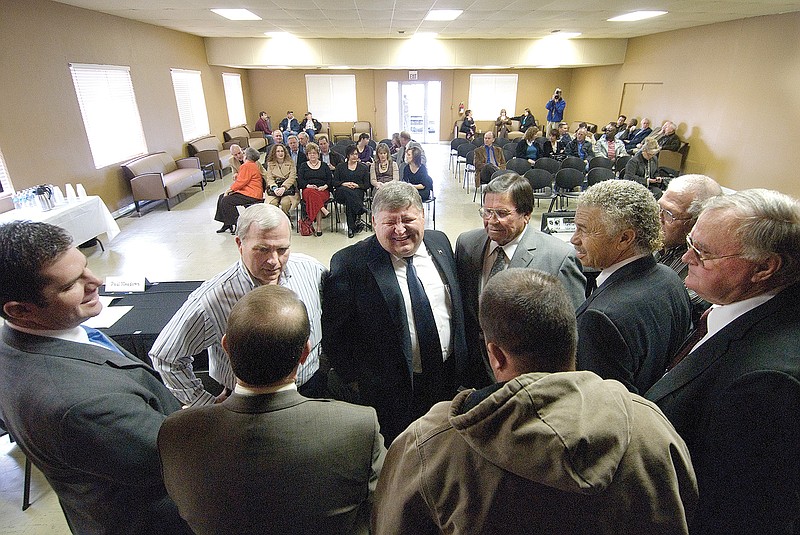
(412, 75)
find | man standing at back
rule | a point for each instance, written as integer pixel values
(733, 389)
(546, 449)
(267, 459)
(407, 143)
(83, 410)
(507, 240)
(638, 316)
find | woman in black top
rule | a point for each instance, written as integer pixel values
(351, 182)
(416, 174)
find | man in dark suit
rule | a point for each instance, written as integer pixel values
(488, 159)
(638, 316)
(506, 240)
(296, 152)
(735, 396)
(326, 154)
(83, 410)
(268, 460)
(392, 319)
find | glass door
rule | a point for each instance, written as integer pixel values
(414, 107)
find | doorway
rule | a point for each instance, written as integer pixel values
(414, 107)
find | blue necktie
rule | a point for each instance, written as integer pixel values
(100, 338)
(427, 335)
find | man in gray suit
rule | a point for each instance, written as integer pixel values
(507, 240)
(268, 460)
(83, 410)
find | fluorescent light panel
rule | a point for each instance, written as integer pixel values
(637, 15)
(443, 14)
(236, 14)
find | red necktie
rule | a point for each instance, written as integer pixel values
(688, 345)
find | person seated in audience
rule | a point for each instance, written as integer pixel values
(262, 125)
(468, 125)
(589, 136)
(314, 178)
(643, 167)
(546, 449)
(351, 182)
(406, 143)
(329, 157)
(639, 314)
(247, 189)
(553, 147)
(268, 459)
(385, 169)
(237, 158)
(310, 126)
(395, 146)
(608, 145)
(526, 120)
(638, 136)
(733, 390)
(264, 239)
(579, 147)
(289, 126)
(621, 122)
(488, 159)
(416, 174)
(295, 154)
(83, 410)
(679, 208)
(627, 130)
(527, 147)
(667, 138)
(502, 123)
(365, 153)
(281, 179)
(563, 133)
(302, 140)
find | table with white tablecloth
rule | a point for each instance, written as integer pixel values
(83, 218)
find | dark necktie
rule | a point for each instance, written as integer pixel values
(691, 341)
(499, 263)
(427, 335)
(99, 338)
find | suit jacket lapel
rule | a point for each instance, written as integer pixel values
(622, 273)
(523, 256)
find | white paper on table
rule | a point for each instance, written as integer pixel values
(108, 317)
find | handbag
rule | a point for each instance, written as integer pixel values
(306, 227)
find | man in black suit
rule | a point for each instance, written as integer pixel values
(267, 459)
(506, 241)
(84, 411)
(389, 349)
(638, 316)
(733, 392)
(326, 154)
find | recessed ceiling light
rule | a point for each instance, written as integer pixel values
(637, 15)
(443, 14)
(236, 14)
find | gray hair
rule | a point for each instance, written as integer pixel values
(251, 154)
(768, 224)
(627, 205)
(527, 313)
(396, 195)
(700, 187)
(264, 216)
(234, 145)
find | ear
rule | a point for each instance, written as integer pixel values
(306, 352)
(626, 238)
(224, 343)
(767, 268)
(498, 359)
(17, 310)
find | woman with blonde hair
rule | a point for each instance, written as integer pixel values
(314, 179)
(384, 169)
(281, 179)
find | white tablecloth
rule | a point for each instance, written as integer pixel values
(84, 218)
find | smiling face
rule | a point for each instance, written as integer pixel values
(400, 232)
(265, 252)
(503, 229)
(280, 153)
(594, 246)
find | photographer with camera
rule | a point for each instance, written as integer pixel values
(555, 109)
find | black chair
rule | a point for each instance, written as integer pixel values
(600, 161)
(429, 206)
(479, 189)
(26, 482)
(469, 168)
(372, 144)
(566, 180)
(339, 148)
(541, 180)
(619, 165)
(478, 141)
(387, 141)
(518, 165)
(457, 142)
(573, 162)
(598, 174)
(462, 150)
(502, 141)
(509, 151)
(548, 164)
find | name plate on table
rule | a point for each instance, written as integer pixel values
(125, 284)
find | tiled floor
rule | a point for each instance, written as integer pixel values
(181, 244)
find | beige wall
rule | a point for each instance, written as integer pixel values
(731, 87)
(42, 135)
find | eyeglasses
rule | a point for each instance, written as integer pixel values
(669, 217)
(703, 256)
(487, 213)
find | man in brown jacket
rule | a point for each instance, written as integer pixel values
(488, 159)
(546, 449)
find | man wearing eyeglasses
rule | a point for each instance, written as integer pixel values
(733, 390)
(639, 315)
(679, 207)
(506, 240)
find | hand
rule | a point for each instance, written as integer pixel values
(323, 188)
(351, 185)
(279, 192)
(312, 186)
(228, 192)
(419, 186)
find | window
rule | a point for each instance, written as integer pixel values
(332, 97)
(5, 180)
(109, 111)
(234, 98)
(489, 93)
(191, 103)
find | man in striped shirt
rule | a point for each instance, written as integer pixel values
(264, 239)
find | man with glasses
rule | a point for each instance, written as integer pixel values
(679, 207)
(639, 315)
(733, 390)
(506, 240)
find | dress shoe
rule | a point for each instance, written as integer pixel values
(350, 233)
(233, 229)
(224, 228)
(319, 233)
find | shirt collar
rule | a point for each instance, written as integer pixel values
(259, 390)
(607, 272)
(511, 247)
